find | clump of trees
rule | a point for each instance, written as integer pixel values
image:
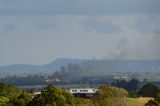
(56, 96)
(119, 96)
(103, 96)
(149, 90)
(9, 91)
(25, 80)
(50, 96)
(131, 85)
(3, 101)
(12, 96)
(22, 100)
(53, 96)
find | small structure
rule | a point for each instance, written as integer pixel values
(83, 92)
(121, 78)
(52, 80)
(37, 93)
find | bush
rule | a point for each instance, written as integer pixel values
(133, 94)
(154, 102)
(149, 90)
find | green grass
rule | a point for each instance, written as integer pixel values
(137, 101)
(120, 102)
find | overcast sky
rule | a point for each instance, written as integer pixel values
(40, 31)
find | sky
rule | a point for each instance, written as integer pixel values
(40, 31)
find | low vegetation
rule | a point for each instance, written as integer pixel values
(56, 96)
(141, 101)
(154, 102)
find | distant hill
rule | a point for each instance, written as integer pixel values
(61, 62)
(51, 67)
(95, 65)
(103, 66)
(19, 68)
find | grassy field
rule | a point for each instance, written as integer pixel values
(123, 102)
(137, 101)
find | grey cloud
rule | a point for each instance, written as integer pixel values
(25, 7)
(7, 29)
(45, 24)
(154, 44)
(146, 48)
(100, 26)
(147, 24)
(35, 43)
(30, 25)
(120, 51)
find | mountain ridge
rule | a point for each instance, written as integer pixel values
(27, 68)
(112, 65)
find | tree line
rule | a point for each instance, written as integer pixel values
(55, 96)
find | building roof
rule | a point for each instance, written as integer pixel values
(82, 90)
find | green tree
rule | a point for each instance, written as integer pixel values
(103, 96)
(118, 92)
(69, 97)
(83, 102)
(53, 96)
(148, 90)
(22, 100)
(9, 91)
(3, 101)
(119, 96)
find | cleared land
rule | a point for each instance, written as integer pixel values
(124, 102)
(137, 101)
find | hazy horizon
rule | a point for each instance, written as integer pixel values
(40, 31)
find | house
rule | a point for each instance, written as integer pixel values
(83, 92)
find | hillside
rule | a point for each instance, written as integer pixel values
(51, 67)
(125, 65)
(95, 65)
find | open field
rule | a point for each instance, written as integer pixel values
(137, 101)
(129, 102)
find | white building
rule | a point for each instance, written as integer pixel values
(82, 90)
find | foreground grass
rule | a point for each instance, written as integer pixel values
(127, 102)
(137, 101)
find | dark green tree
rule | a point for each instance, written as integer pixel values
(149, 90)
(133, 85)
